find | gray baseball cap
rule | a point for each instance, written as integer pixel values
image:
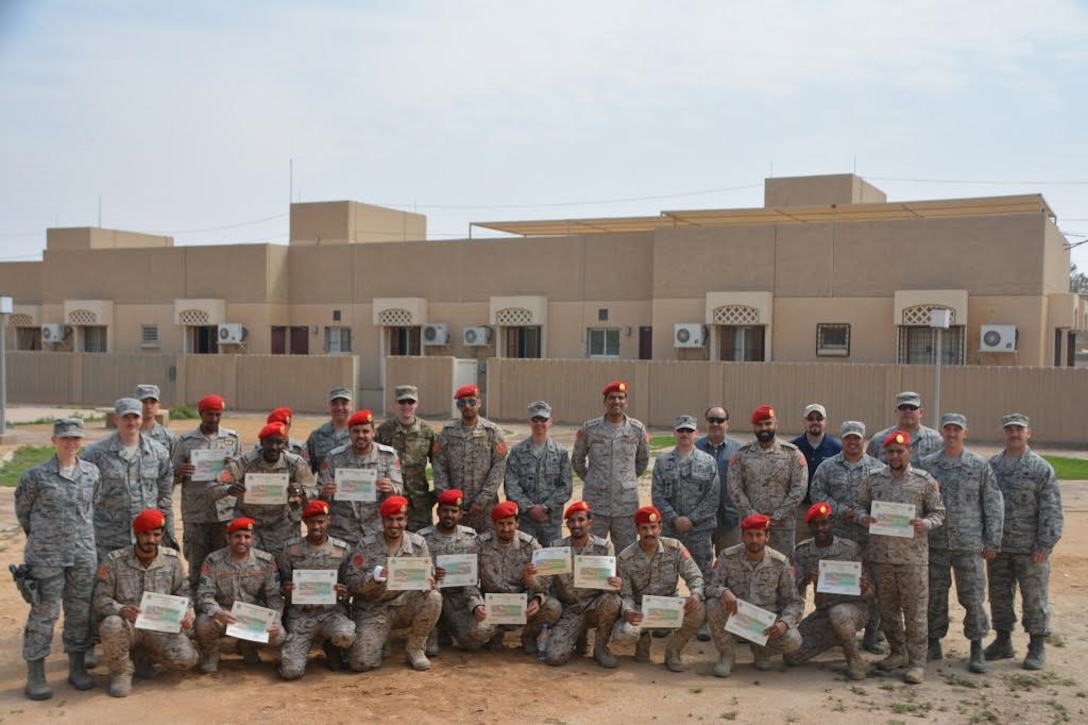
(954, 419)
(686, 422)
(68, 428)
(340, 393)
(128, 406)
(815, 408)
(1015, 419)
(908, 398)
(143, 392)
(540, 409)
(852, 428)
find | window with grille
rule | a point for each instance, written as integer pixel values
(149, 335)
(833, 339)
(604, 341)
(94, 338)
(337, 340)
(404, 340)
(742, 343)
(523, 341)
(918, 345)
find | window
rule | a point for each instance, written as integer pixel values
(918, 345)
(833, 340)
(404, 340)
(602, 314)
(337, 340)
(523, 341)
(742, 343)
(94, 338)
(149, 335)
(604, 342)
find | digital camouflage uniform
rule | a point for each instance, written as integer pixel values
(501, 572)
(474, 461)
(55, 511)
(458, 603)
(1033, 523)
(309, 624)
(224, 581)
(352, 520)
(837, 482)
(728, 517)
(609, 458)
(924, 442)
(377, 610)
(159, 433)
(974, 512)
(413, 444)
(688, 486)
(770, 481)
(127, 487)
(582, 608)
(323, 439)
(278, 523)
(659, 574)
(539, 475)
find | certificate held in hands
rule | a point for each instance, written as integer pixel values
(593, 572)
(750, 621)
(505, 608)
(314, 586)
(552, 560)
(408, 573)
(839, 577)
(208, 462)
(357, 484)
(251, 622)
(892, 519)
(662, 612)
(265, 489)
(161, 612)
(462, 570)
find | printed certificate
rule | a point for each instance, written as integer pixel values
(505, 608)
(162, 612)
(357, 484)
(267, 489)
(407, 573)
(552, 560)
(593, 572)
(892, 519)
(209, 463)
(462, 570)
(314, 586)
(251, 622)
(662, 612)
(839, 577)
(750, 621)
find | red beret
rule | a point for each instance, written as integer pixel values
(392, 506)
(756, 522)
(273, 429)
(242, 523)
(818, 511)
(360, 417)
(762, 413)
(647, 515)
(576, 507)
(616, 386)
(504, 510)
(280, 415)
(467, 391)
(213, 403)
(316, 508)
(148, 520)
(451, 497)
(900, 437)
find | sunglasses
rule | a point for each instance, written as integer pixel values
(467, 402)
(907, 407)
(538, 419)
(406, 402)
(715, 419)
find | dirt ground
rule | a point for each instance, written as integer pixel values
(507, 686)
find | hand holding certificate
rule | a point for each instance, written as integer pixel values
(892, 519)
(839, 577)
(268, 489)
(593, 572)
(314, 586)
(251, 622)
(553, 560)
(162, 612)
(208, 462)
(408, 574)
(662, 612)
(505, 608)
(462, 570)
(357, 484)
(750, 622)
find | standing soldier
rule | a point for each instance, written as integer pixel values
(333, 433)
(974, 512)
(470, 455)
(148, 395)
(413, 441)
(1032, 528)
(538, 478)
(909, 411)
(618, 451)
(53, 503)
(285, 415)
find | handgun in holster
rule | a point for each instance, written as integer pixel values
(28, 586)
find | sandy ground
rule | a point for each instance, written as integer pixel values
(507, 686)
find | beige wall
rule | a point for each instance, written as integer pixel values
(349, 222)
(71, 238)
(22, 281)
(872, 334)
(820, 191)
(432, 375)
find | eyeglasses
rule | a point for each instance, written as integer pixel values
(814, 418)
(467, 402)
(716, 419)
(538, 419)
(406, 402)
(907, 407)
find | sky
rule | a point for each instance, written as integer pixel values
(204, 119)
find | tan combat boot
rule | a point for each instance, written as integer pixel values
(121, 680)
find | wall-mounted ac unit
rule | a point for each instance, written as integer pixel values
(476, 336)
(436, 334)
(998, 338)
(55, 332)
(232, 333)
(688, 334)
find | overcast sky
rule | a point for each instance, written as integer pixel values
(184, 117)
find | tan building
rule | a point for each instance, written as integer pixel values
(827, 270)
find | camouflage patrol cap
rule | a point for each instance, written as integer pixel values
(145, 392)
(852, 428)
(128, 406)
(908, 397)
(340, 393)
(68, 428)
(686, 422)
(540, 409)
(406, 392)
(954, 419)
(1015, 419)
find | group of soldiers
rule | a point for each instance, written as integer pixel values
(724, 518)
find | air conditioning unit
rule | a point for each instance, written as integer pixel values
(476, 336)
(232, 333)
(998, 338)
(688, 334)
(437, 334)
(54, 332)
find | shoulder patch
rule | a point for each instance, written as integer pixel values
(339, 543)
(169, 551)
(263, 555)
(358, 560)
(384, 448)
(102, 572)
(581, 432)
(436, 447)
(500, 448)
(205, 567)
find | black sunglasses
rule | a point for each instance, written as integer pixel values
(715, 419)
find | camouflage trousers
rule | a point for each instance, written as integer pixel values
(545, 532)
(621, 529)
(480, 522)
(825, 628)
(457, 618)
(970, 592)
(305, 627)
(627, 633)
(1006, 571)
(71, 585)
(547, 614)
(698, 543)
(200, 540)
(419, 611)
(725, 642)
(119, 638)
(903, 594)
(209, 631)
(601, 612)
(273, 537)
(782, 537)
(420, 508)
(724, 539)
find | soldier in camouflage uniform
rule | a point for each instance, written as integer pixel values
(770, 476)
(122, 580)
(900, 564)
(134, 474)
(205, 506)
(285, 415)
(909, 411)
(332, 434)
(583, 608)
(413, 440)
(352, 520)
(506, 567)
(837, 617)
(538, 478)
(974, 512)
(463, 611)
(610, 453)
(236, 573)
(376, 609)
(685, 490)
(470, 455)
(654, 565)
(148, 395)
(308, 622)
(1032, 528)
(53, 503)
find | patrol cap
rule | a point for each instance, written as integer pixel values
(852, 428)
(954, 419)
(406, 392)
(146, 392)
(908, 398)
(339, 393)
(686, 422)
(815, 408)
(540, 409)
(128, 406)
(68, 428)
(1015, 419)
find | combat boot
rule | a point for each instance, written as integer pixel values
(602, 654)
(871, 642)
(414, 652)
(704, 632)
(142, 662)
(582, 645)
(855, 667)
(209, 661)
(250, 653)
(121, 681)
(672, 659)
(642, 649)
(334, 658)
(90, 660)
(915, 675)
(892, 662)
(934, 652)
(762, 662)
(1001, 647)
(724, 666)
(77, 672)
(432, 644)
(978, 658)
(36, 686)
(1036, 658)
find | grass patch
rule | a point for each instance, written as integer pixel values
(24, 457)
(183, 412)
(1018, 681)
(957, 680)
(1069, 469)
(662, 442)
(731, 715)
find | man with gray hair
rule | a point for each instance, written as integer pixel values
(909, 412)
(538, 478)
(148, 395)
